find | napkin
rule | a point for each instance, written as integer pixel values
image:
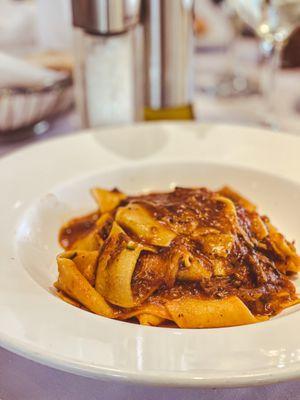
(15, 72)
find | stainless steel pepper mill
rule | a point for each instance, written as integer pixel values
(134, 60)
(168, 43)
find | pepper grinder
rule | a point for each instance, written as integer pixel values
(168, 44)
(133, 60)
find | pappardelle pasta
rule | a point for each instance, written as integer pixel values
(191, 258)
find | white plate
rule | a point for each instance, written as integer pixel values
(44, 185)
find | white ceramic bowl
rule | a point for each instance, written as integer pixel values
(35, 323)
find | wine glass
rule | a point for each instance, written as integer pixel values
(234, 82)
(222, 25)
(273, 21)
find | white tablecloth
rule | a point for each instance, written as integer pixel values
(21, 379)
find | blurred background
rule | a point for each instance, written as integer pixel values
(63, 68)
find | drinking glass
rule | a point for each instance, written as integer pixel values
(273, 21)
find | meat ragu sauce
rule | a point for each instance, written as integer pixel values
(252, 278)
(232, 251)
(253, 273)
(184, 209)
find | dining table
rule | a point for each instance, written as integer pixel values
(23, 379)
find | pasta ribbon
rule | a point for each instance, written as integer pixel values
(286, 250)
(116, 266)
(107, 200)
(194, 270)
(236, 197)
(85, 261)
(149, 319)
(138, 221)
(74, 284)
(88, 243)
(217, 244)
(198, 313)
